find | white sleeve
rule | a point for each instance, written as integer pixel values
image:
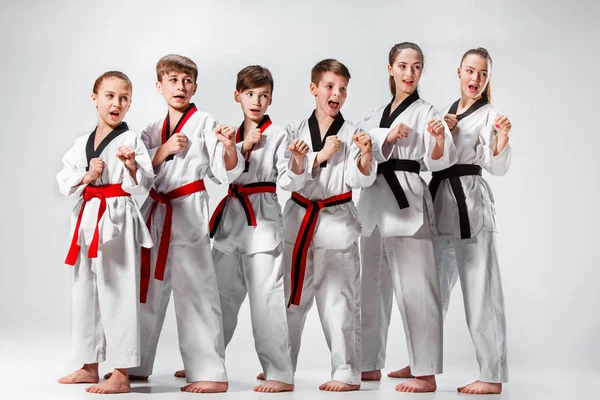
(286, 178)
(496, 165)
(147, 139)
(144, 174)
(216, 153)
(450, 155)
(353, 176)
(69, 176)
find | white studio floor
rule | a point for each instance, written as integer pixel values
(31, 363)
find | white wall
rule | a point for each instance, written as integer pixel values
(544, 80)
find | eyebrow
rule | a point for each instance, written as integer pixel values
(468, 66)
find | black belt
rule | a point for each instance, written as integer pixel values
(452, 174)
(388, 168)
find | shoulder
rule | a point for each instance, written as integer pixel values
(204, 120)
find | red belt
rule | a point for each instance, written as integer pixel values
(305, 235)
(241, 193)
(101, 192)
(165, 238)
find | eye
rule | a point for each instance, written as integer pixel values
(470, 71)
(188, 80)
(329, 86)
(484, 74)
(264, 96)
(124, 98)
(110, 96)
(173, 80)
(250, 94)
(417, 67)
(343, 89)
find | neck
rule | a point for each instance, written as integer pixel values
(249, 124)
(324, 120)
(400, 97)
(103, 128)
(466, 102)
(177, 112)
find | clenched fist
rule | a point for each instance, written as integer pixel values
(94, 171)
(397, 132)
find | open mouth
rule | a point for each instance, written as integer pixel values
(179, 97)
(408, 82)
(255, 110)
(115, 114)
(473, 88)
(333, 104)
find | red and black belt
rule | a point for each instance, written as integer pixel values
(305, 236)
(388, 168)
(165, 239)
(453, 175)
(241, 193)
(102, 193)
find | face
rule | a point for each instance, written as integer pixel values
(330, 93)
(254, 102)
(406, 71)
(474, 75)
(112, 101)
(177, 88)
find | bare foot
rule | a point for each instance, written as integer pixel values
(260, 377)
(180, 373)
(371, 375)
(206, 387)
(337, 386)
(272, 386)
(118, 383)
(131, 377)
(403, 373)
(480, 387)
(87, 374)
(420, 384)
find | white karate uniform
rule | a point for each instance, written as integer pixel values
(475, 260)
(397, 244)
(249, 259)
(189, 271)
(332, 274)
(105, 289)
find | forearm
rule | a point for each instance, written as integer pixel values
(364, 165)
(160, 156)
(230, 157)
(438, 150)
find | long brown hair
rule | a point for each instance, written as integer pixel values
(395, 50)
(483, 53)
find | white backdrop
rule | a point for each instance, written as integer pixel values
(544, 79)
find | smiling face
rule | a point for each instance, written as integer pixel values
(254, 101)
(330, 93)
(474, 75)
(113, 99)
(177, 88)
(406, 71)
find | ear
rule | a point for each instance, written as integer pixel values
(390, 70)
(313, 89)
(236, 96)
(129, 106)
(195, 88)
(271, 99)
(94, 98)
(458, 72)
(159, 88)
